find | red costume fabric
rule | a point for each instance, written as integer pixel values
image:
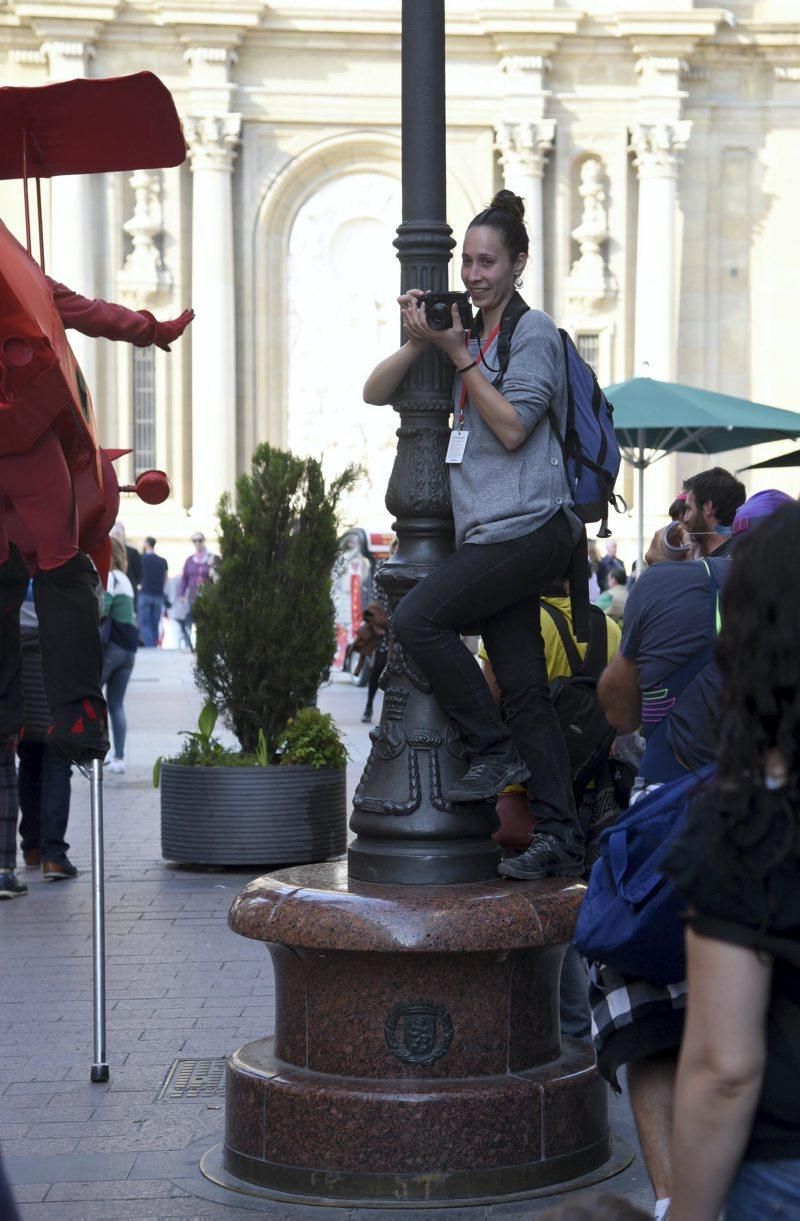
(39, 485)
(104, 320)
(37, 481)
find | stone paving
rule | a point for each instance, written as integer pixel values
(180, 986)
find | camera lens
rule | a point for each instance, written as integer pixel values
(439, 317)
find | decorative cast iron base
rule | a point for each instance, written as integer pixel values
(417, 1054)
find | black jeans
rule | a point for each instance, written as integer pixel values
(44, 796)
(497, 585)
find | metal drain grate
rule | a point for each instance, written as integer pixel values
(194, 1079)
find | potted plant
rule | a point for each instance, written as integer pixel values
(265, 639)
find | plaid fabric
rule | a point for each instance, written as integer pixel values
(8, 805)
(632, 1017)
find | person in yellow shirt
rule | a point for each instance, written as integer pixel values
(555, 654)
(575, 1013)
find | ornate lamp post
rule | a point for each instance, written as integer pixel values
(417, 1056)
(406, 830)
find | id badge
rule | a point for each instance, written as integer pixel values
(455, 450)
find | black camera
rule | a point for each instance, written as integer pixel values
(438, 310)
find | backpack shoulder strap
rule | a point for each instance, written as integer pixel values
(573, 656)
(717, 570)
(508, 323)
(597, 653)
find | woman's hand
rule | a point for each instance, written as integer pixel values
(452, 341)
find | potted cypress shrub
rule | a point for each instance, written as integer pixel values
(265, 639)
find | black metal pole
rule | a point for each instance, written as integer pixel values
(406, 831)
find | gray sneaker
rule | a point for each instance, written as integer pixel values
(10, 885)
(545, 858)
(487, 777)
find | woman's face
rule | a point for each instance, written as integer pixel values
(487, 270)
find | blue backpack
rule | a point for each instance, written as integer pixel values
(589, 445)
(631, 915)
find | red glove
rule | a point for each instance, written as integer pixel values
(167, 332)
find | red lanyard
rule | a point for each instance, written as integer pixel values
(481, 353)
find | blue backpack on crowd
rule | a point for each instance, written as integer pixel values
(589, 444)
(631, 917)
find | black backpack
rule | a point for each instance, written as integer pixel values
(587, 733)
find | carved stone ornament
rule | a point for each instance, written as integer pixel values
(657, 147)
(590, 283)
(418, 1033)
(660, 74)
(213, 140)
(524, 149)
(144, 276)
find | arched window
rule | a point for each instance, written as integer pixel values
(343, 280)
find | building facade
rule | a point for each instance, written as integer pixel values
(658, 153)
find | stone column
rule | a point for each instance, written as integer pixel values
(524, 139)
(72, 254)
(212, 143)
(656, 147)
(523, 155)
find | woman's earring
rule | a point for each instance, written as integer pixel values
(518, 282)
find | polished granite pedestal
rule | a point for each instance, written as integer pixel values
(417, 1055)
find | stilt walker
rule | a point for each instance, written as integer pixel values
(59, 495)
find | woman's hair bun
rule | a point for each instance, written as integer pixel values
(507, 201)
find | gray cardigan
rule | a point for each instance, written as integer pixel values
(499, 494)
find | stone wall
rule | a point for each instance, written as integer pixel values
(658, 156)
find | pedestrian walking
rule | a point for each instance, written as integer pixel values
(43, 776)
(736, 1145)
(10, 885)
(120, 640)
(133, 559)
(515, 533)
(197, 570)
(151, 593)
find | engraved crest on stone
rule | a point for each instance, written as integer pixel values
(418, 1033)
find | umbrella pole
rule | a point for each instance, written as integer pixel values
(640, 465)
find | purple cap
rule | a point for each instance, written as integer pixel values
(761, 505)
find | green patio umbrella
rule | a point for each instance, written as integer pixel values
(653, 419)
(783, 460)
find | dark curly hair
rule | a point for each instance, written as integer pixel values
(758, 652)
(506, 214)
(723, 489)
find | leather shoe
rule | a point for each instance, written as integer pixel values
(33, 858)
(57, 871)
